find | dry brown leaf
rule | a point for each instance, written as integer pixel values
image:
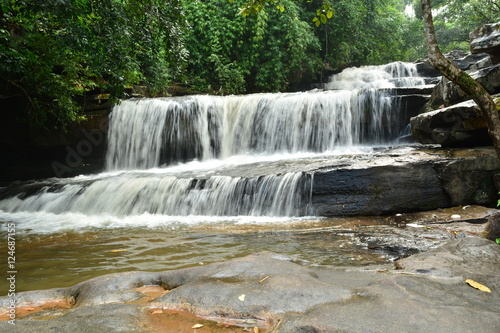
(478, 285)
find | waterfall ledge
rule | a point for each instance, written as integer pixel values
(421, 179)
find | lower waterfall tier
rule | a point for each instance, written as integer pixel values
(382, 181)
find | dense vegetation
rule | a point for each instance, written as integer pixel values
(55, 52)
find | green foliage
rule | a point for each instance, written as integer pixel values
(359, 32)
(455, 19)
(497, 240)
(365, 32)
(54, 52)
(230, 53)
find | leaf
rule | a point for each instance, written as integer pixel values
(478, 285)
(197, 326)
(329, 14)
(242, 297)
(157, 311)
(497, 240)
(323, 18)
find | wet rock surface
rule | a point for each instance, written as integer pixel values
(419, 292)
(421, 179)
(449, 118)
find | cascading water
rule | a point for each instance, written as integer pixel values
(221, 156)
(393, 75)
(147, 133)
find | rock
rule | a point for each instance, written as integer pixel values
(416, 180)
(486, 39)
(465, 61)
(447, 93)
(427, 292)
(492, 230)
(458, 125)
(423, 296)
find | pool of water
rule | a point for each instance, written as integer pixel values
(63, 259)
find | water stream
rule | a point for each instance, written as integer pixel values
(175, 166)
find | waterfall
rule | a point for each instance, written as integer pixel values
(393, 75)
(148, 133)
(162, 193)
(221, 155)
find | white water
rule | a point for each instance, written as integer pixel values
(393, 75)
(207, 159)
(147, 133)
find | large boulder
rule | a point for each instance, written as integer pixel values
(486, 39)
(454, 126)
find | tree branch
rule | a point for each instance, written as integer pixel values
(452, 72)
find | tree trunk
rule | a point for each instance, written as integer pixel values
(483, 99)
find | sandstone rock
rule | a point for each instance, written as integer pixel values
(453, 126)
(465, 61)
(486, 39)
(492, 230)
(417, 180)
(427, 292)
(409, 302)
(447, 93)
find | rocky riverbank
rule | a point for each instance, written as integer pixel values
(433, 290)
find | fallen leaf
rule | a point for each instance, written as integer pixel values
(197, 326)
(478, 285)
(122, 250)
(242, 297)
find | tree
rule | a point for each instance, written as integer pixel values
(487, 107)
(230, 54)
(53, 53)
(355, 32)
(454, 19)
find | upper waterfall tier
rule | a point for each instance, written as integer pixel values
(147, 133)
(393, 75)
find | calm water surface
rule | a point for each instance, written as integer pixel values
(65, 258)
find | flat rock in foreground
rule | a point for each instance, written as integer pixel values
(423, 293)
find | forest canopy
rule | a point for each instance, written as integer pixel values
(53, 53)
